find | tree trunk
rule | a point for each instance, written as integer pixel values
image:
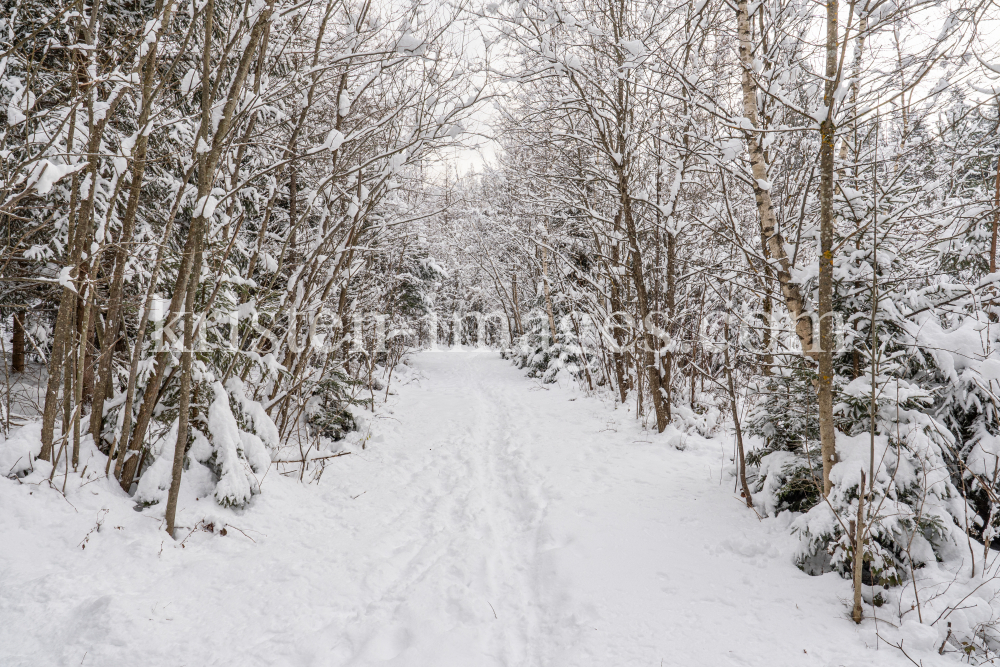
(775, 245)
(81, 371)
(207, 165)
(17, 344)
(827, 432)
(185, 395)
(859, 551)
(767, 361)
(89, 343)
(128, 228)
(618, 353)
(740, 452)
(80, 233)
(548, 294)
(768, 221)
(671, 296)
(517, 307)
(650, 342)
(996, 212)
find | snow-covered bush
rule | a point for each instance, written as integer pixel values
(544, 359)
(230, 434)
(785, 468)
(327, 411)
(916, 514)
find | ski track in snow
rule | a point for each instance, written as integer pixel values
(493, 521)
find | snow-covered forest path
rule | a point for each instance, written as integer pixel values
(495, 521)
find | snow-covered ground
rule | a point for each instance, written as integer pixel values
(490, 521)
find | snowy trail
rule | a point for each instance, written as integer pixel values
(493, 522)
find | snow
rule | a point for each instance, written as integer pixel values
(206, 206)
(155, 482)
(190, 81)
(410, 44)
(334, 140)
(731, 148)
(66, 278)
(635, 47)
(18, 451)
(489, 520)
(237, 484)
(45, 174)
(262, 424)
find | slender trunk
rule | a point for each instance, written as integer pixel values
(293, 198)
(697, 348)
(617, 354)
(859, 551)
(82, 356)
(827, 432)
(80, 234)
(767, 361)
(69, 373)
(207, 165)
(510, 323)
(56, 358)
(741, 453)
(517, 307)
(665, 359)
(650, 343)
(671, 297)
(768, 221)
(141, 333)
(185, 398)
(548, 294)
(996, 214)
(88, 343)
(149, 68)
(17, 344)
(638, 390)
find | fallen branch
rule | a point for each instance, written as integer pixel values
(310, 460)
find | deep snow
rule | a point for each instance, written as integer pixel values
(490, 520)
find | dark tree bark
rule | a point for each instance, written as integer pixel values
(17, 344)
